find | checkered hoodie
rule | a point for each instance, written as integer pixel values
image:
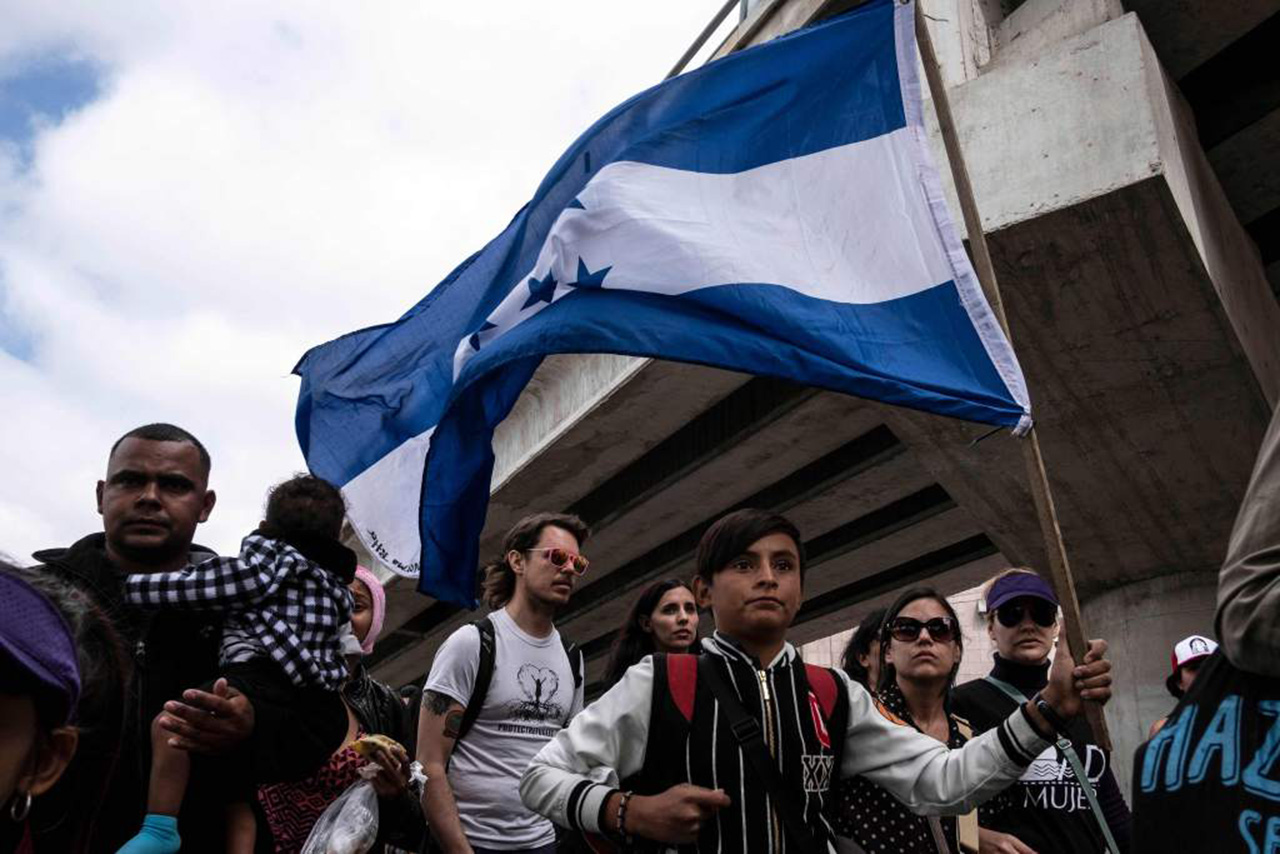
(280, 602)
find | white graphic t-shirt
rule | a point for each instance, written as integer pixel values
(531, 696)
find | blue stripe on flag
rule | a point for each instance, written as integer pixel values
(920, 332)
(908, 351)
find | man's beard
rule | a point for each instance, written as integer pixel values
(157, 555)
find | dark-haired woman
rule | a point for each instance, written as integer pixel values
(291, 809)
(861, 658)
(62, 669)
(664, 619)
(920, 649)
(1046, 811)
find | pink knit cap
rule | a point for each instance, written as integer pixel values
(379, 599)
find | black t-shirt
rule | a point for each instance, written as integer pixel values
(1210, 779)
(1046, 809)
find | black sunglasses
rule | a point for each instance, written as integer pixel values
(907, 629)
(1043, 613)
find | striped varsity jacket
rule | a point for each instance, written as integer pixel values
(571, 778)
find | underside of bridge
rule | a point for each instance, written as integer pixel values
(1124, 163)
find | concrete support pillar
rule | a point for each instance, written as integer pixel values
(1142, 621)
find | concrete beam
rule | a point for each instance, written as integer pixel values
(1188, 32)
(1132, 294)
(1134, 369)
(1251, 182)
(1036, 26)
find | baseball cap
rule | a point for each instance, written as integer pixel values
(38, 643)
(1189, 649)
(1017, 584)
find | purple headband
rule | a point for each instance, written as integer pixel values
(1017, 584)
(36, 638)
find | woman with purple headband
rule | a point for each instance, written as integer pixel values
(1047, 811)
(41, 622)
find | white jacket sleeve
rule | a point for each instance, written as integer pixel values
(924, 773)
(573, 775)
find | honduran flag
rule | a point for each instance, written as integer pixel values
(774, 212)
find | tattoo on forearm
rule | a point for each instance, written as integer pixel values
(436, 703)
(453, 724)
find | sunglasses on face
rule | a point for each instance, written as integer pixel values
(907, 629)
(559, 557)
(1043, 614)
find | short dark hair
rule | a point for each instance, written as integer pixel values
(161, 432)
(859, 645)
(306, 505)
(888, 673)
(733, 534)
(499, 577)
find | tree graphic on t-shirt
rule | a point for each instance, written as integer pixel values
(539, 685)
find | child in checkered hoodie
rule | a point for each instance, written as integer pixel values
(286, 631)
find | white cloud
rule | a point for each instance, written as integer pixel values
(256, 178)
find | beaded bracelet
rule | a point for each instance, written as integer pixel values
(622, 818)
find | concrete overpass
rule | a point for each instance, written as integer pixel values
(1123, 161)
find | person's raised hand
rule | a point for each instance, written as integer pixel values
(993, 842)
(1069, 684)
(208, 722)
(676, 815)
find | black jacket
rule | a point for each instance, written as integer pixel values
(1045, 809)
(170, 652)
(380, 711)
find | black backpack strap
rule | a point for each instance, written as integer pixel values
(484, 675)
(574, 654)
(746, 730)
(575, 660)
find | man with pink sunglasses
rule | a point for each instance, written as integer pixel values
(498, 690)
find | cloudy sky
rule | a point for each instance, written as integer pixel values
(194, 193)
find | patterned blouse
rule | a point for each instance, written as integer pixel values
(875, 819)
(292, 809)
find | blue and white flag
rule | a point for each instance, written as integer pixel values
(774, 212)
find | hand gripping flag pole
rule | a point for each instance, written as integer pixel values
(1037, 477)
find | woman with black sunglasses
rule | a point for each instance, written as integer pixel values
(1046, 811)
(920, 650)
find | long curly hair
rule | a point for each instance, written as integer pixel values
(632, 642)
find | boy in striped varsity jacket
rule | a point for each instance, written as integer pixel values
(694, 789)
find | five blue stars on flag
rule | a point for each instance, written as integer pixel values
(544, 290)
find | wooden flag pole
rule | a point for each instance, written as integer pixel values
(1059, 565)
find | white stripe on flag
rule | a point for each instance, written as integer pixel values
(383, 505)
(850, 224)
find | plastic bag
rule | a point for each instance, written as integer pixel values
(349, 825)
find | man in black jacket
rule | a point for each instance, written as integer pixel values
(154, 495)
